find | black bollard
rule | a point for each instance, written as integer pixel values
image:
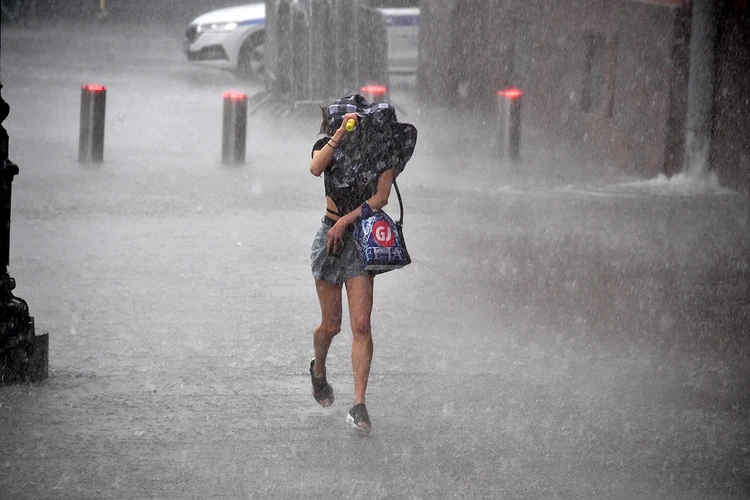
(234, 130)
(509, 128)
(374, 93)
(91, 135)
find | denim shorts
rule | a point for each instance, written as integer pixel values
(332, 268)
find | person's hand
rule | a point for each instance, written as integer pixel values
(336, 237)
(347, 117)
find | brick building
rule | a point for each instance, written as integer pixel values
(612, 74)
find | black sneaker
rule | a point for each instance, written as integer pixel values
(359, 419)
(322, 391)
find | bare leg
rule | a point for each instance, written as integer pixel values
(329, 296)
(359, 297)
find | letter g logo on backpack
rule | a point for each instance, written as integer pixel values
(383, 234)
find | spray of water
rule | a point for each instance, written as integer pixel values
(696, 155)
(694, 178)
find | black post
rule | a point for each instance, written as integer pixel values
(374, 93)
(91, 134)
(234, 130)
(509, 104)
(23, 355)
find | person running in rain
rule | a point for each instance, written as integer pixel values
(354, 173)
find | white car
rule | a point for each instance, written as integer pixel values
(233, 38)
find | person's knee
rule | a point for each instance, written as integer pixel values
(329, 330)
(361, 328)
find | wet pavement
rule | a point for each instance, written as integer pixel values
(567, 330)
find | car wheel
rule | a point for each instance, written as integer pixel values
(250, 62)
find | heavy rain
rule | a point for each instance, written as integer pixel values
(573, 325)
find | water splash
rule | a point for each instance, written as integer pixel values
(695, 179)
(684, 183)
(696, 157)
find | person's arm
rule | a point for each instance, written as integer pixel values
(376, 201)
(322, 157)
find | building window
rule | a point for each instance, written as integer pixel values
(593, 72)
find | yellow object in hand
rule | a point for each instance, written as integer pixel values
(350, 124)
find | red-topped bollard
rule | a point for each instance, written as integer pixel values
(374, 93)
(91, 134)
(234, 130)
(509, 105)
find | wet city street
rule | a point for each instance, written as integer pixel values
(566, 330)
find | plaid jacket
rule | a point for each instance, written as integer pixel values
(379, 142)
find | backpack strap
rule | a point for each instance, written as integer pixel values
(400, 221)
